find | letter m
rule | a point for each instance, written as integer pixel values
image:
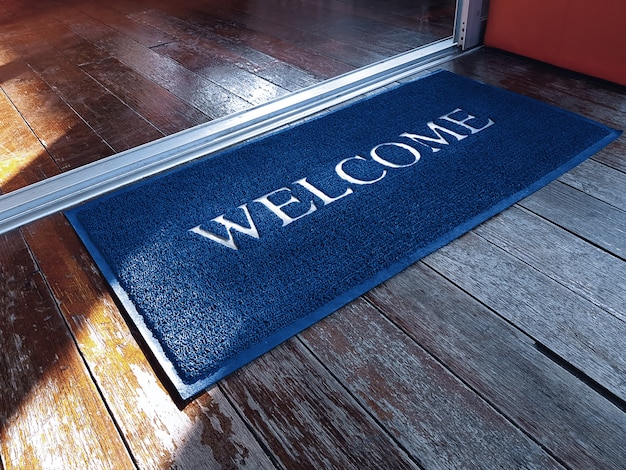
(229, 225)
(438, 138)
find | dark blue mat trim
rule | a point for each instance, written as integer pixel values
(416, 174)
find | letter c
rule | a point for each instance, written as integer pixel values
(351, 179)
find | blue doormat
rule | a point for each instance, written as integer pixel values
(220, 260)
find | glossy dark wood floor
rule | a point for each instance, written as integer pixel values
(504, 349)
(92, 78)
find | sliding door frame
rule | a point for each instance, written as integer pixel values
(470, 23)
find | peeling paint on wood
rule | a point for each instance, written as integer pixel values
(428, 410)
(577, 425)
(51, 414)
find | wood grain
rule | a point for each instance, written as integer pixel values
(306, 418)
(316, 29)
(612, 156)
(503, 350)
(580, 428)
(164, 110)
(109, 117)
(138, 31)
(51, 413)
(205, 95)
(208, 42)
(278, 43)
(587, 217)
(582, 267)
(429, 411)
(66, 137)
(585, 335)
(432, 16)
(247, 85)
(23, 160)
(208, 434)
(598, 180)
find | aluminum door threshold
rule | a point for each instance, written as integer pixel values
(81, 184)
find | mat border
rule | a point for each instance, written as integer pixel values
(187, 391)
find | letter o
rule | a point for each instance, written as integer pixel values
(382, 161)
(351, 179)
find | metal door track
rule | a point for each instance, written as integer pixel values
(76, 186)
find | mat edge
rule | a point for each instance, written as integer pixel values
(189, 390)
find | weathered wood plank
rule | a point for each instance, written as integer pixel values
(612, 157)
(599, 181)
(602, 101)
(23, 160)
(275, 71)
(566, 417)
(165, 111)
(301, 31)
(57, 123)
(116, 123)
(588, 337)
(201, 93)
(51, 413)
(311, 61)
(65, 136)
(223, 62)
(305, 417)
(326, 31)
(587, 217)
(428, 410)
(581, 267)
(248, 86)
(194, 54)
(142, 33)
(485, 352)
(206, 434)
(434, 18)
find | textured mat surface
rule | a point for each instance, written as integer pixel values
(220, 260)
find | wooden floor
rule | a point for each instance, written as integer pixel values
(505, 349)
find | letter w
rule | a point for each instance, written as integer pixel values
(251, 230)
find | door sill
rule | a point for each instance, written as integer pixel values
(95, 179)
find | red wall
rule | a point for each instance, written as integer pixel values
(581, 35)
